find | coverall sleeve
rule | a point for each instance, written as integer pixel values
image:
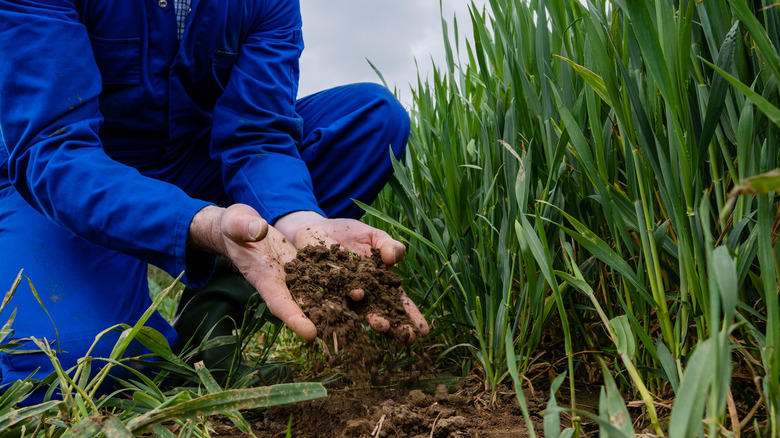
(256, 129)
(49, 121)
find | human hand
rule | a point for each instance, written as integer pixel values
(308, 228)
(404, 332)
(305, 228)
(259, 252)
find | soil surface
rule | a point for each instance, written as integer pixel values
(435, 410)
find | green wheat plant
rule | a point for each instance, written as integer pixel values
(601, 175)
(142, 402)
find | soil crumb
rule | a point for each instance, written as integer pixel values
(320, 279)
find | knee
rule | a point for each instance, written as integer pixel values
(387, 117)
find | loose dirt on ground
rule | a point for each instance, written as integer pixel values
(436, 411)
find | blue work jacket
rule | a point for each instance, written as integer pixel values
(94, 91)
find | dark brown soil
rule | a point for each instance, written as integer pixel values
(320, 279)
(436, 410)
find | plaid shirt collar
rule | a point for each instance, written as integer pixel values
(182, 10)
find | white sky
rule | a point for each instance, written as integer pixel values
(341, 34)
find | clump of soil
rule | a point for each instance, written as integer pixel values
(320, 279)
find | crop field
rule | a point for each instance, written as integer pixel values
(596, 183)
(589, 204)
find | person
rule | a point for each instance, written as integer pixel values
(167, 133)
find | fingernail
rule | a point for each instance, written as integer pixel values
(255, 228)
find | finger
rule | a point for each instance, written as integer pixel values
(282, 305)
(414, 314)
(363, 237)
(391, 250)
(378, 323)
(292, 316)
(356, 294)
(241, 223)
(404, 333)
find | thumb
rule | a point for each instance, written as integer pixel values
(241, 223)
(391, 250)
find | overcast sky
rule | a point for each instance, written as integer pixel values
(341, 34)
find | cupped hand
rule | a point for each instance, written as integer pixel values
(259, 252)
(305, 228)
(309, 228)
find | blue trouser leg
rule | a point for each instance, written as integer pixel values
(85, 288)
(348, 133)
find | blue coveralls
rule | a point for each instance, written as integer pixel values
(115, 134)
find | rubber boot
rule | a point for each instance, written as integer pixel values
(222, 306)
